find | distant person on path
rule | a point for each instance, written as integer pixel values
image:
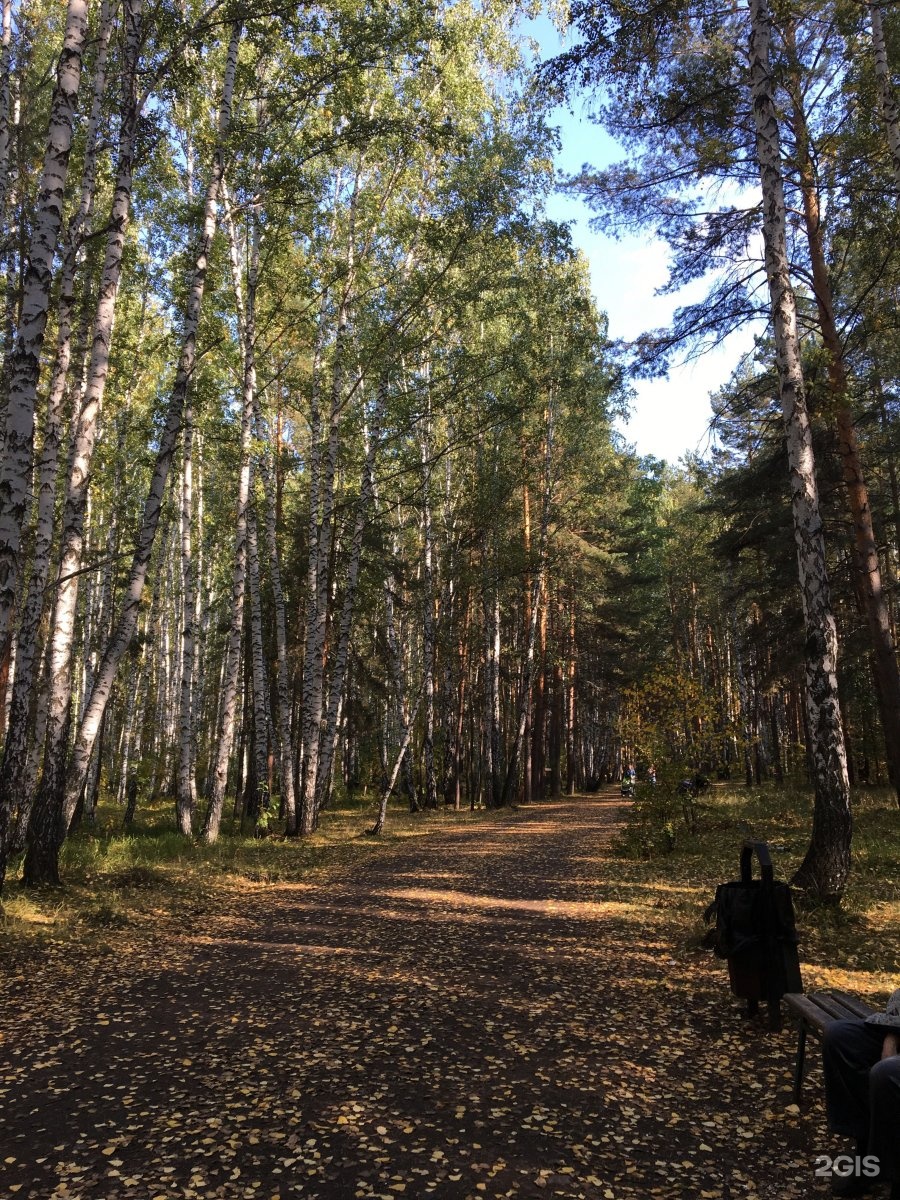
(862, 1094)
(629, 779)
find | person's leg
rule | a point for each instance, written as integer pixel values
(849, 1049)
(884, 1105)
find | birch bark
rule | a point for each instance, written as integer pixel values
(186, 797)
(14, 785)
(258, 661)
(321, 536)
(890, 108)
(46, 831)
(247, 336)
(395, 660)
(283, 690)
(402, 755)
(46, 859)
(826, 866)
(345, 623)
(428, 639)
(25, 361)
(491, 610)
(5, 56)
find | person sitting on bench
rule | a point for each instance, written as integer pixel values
(862, 1094)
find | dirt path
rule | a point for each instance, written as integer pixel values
(477, 1014)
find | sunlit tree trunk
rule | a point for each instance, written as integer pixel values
(25, 360)
(572, 668)
(15, 786)
(258, 672)
(126, 623)
(5, 55)
(512, 770)
(186, 798)
(428, 633)
(283, 691)
(890, 108)
(345, 622)
(826, 866)
(321, 527)
(402, 754)
(50, 821)
(866, 563)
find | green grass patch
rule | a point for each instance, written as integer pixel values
(854, 946)
(114, 879)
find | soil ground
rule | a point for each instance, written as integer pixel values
(479, 1013)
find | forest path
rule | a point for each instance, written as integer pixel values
(488, 1011)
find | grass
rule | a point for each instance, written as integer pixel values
(855, 946)
(115, 879)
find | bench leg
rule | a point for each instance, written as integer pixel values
(798, 1068)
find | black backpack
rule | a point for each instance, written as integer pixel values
(756, 932)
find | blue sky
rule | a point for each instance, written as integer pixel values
(670, 416)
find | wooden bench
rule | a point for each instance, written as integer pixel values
(814, 1013)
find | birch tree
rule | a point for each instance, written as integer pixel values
(826, 867)
(25, 362)
(890, 108)
(59, 794)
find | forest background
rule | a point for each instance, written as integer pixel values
(311, 490)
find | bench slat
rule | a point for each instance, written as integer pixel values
(857, 1007)
(833, 1007)
(807, 1008)
(817, 1011)
(820, 1009)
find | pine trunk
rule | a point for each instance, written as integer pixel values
(866, 561)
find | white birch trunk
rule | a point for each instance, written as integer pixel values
(47, 828)
(127, 620)
(339, 665)
(395, 657)
(322, 532)
(14, 786)
(283, 691)
(258, 662)
(5, 56)
(247, 338)
(890, 108)
(491, 612)
(25, 362)
(826, 867)
(428, 639)
(402, 755)
(186, 798)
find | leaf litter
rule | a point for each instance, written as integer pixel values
(493, 1011)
